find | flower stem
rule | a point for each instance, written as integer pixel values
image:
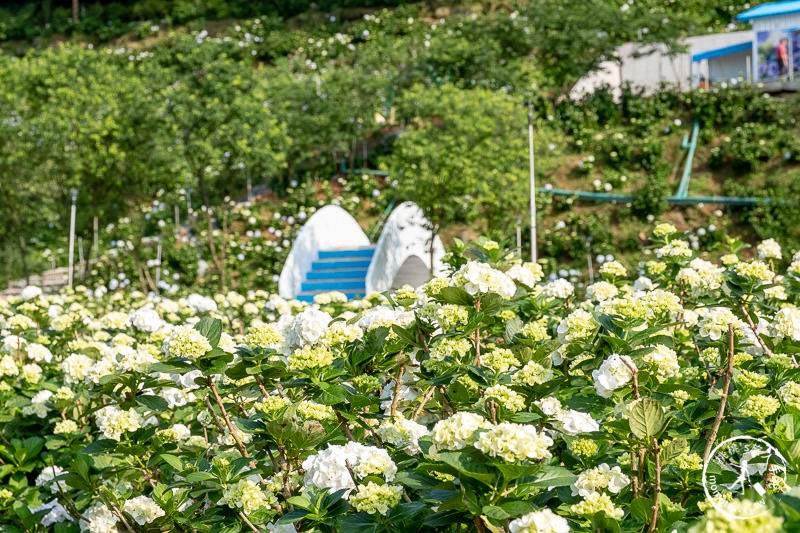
(724, 399)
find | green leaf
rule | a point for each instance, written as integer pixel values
(469, 462)
(300, 501)
(443, 518)
(249, 426)
(554, 476)
(494, 512)
(333, 395)
(199, 476)
(80, 466)
(513, 326)
(408, 334)
(100, 446)
(602, 523)
(407, 510)
(642, 509)
(456, 295)
(517, 507)
(172, 460)
(154, 403)
(171, 367)
(511, 471)
(292, 517)
(211, 328)
(357, 523)
(647, 419)
(673, 450)
(415, 481)
(491, 304)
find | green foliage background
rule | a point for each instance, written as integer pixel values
(185, 102)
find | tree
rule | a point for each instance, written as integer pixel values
(463, 157)
(222, 126)
(28, 203)
(571, 42)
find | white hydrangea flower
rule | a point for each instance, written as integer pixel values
(135, 360)
(476, 277)
(527, 273)
(12, 343)
(146, 319)
(328, 468)
(246, 495)
(142, 509)
(786, 323)
(613, 269)
(376, 499)
(8, 366)
(456, 432)
(550, 406)
(99, 519)
(30, 292)
(643, 283)
(186, 342)
(602, 477)
(714, 323)
(612, 374)
(45, 479)
(384, 316)
(559, 288)
(514, 442)
(113, 421)
(38, 353)
(310, 326)
(403, 433)
(574, 422)
(769, 249)
(665, 361)
(38, 404)
(701, 276)
(76, 367)
(601, 291)
(577, 325)
(544, 521)
(677, 248)
(55, 513)
(201, 304)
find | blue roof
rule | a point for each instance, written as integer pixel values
(771, 9)
(711, 54)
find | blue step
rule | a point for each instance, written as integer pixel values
(336, 285)
(343, 264)
(340, 254)
(336, 274)
(309, 296)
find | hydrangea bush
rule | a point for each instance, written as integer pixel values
(486, 400)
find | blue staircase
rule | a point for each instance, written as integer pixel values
(337, 270)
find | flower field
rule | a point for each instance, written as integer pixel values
(492, 399)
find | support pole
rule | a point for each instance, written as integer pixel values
(158, 265)
(96, 237)
(532, 180)
(72, 213)
(249, 187)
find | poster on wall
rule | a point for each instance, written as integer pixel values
(773, 54)
(795, 35)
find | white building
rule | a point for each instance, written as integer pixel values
(769, 53)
